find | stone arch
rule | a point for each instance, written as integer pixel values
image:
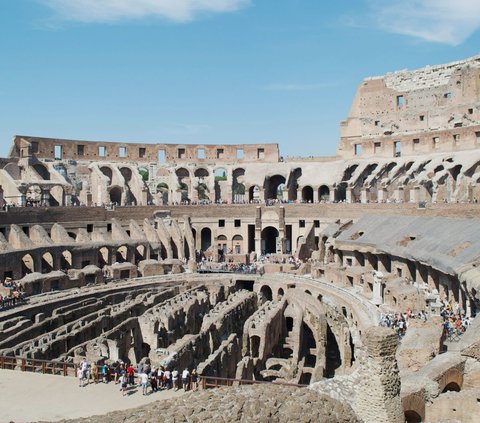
(266, 293)
(121, 255)
(254, 194)
(47, 262)
(451, 380)
(272, 184)
(237, 244)
(126, 173)
(28, 265)
(307, 194)
(42, 171)
(103, 256)
(182, 173)
(66, 259)
(414, 408)
(269, 240)
(324, 193)
(162, 189)
(412, 416)
(116, 195)
(140, 253)
(222, 243)
(255, 346)
(201, 173)
(205, 239)
(238, 188)
(108, 173)
(333, 358)
(280, 293)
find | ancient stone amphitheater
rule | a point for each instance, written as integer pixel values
(247, 265)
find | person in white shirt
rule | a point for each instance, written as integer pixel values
(144, 380)
(123, 383)
(185, 379)
(175, 379)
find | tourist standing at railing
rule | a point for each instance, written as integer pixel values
(123, 384)
(105, 371)
(94, 373)
(80, 377)
(131, 374)
(144, 382)
(185, 379)
(194, 380)
(175, 379)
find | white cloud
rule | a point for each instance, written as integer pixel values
(441, 21)
(299, 87)
(118, 10)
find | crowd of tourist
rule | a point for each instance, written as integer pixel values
(150, 379)
(399, 321)
(12, 296)
(454, 323)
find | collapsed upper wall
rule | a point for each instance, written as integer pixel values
(52, 148)
(436, 108)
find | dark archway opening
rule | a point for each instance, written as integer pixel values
(307, 194)
(247, 285)
(412, 417)
(205, 238)
(255, 345)
(271, 186)
(305, 378)
(289, 323)
(333, 357)
(116, 195)
(452, 386)
(324, 193)
(269, 240)
(266, 293)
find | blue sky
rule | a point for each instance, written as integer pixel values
(211, 71)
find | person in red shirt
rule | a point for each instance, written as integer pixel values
(131, 374)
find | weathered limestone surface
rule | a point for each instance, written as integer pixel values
(257, 404)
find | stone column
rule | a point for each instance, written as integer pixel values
(399, 194)
(382, 195)
(348, 194)
(365, 195)
(377, 297)
(378, 391)
(315, 195)
(258, 230)
(415, 194)
(332, 194)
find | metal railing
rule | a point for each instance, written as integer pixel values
(217, 381)
(37, 366)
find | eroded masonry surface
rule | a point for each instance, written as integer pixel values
(357, 275)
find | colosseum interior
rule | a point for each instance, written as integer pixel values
(248, 265)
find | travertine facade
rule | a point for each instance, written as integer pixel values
(323, 268)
